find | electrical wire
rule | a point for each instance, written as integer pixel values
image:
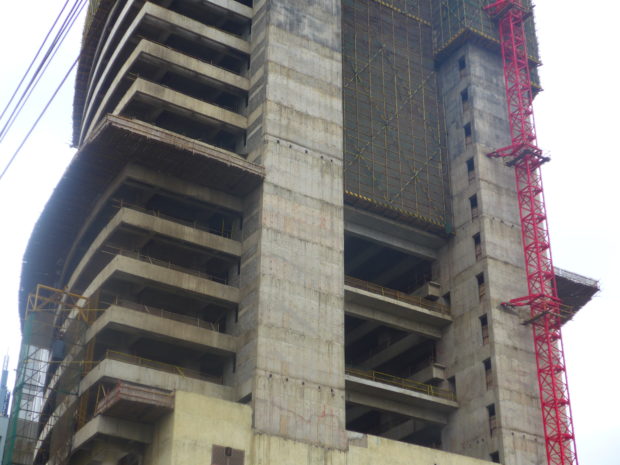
(66, 26)
(32, 128)
(33, 60)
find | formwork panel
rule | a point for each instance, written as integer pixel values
(394, 145)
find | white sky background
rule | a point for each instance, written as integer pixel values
(577, 119)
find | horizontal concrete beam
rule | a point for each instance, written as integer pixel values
(433, 373)
(164, 18)
(171, 59)
(127, 320)
(390, 352)
(184, 188)
(115, 370)
(400, 400)
(392, 406)
(378, 317)
(113, 427)
(403, 238)
(177, 102)
(132, 269)
(153, 224)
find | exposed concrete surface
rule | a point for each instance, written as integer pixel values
(131, 322)
(142, 90)
(114, 427)
(153, 224)
(299, 381)
(199, 423)
(184, 282)
(189, 66)
(111, 370)
(518, 436)
(405, 310)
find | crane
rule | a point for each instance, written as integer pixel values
(524, 155)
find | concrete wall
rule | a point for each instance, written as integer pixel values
(518, 437)
(292, 267)
(198, 422)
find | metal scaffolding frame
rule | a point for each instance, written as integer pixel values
(52, 361)
(394, 144)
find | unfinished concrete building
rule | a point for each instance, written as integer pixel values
(281, 241)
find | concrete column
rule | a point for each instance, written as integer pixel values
(295, 257)
(476, 120)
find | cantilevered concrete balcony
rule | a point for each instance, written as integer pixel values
(134, 269)
(388, 307)
(100, 425)
(143, 225)
(383, 392)
(164, 26)
(157, 98)
(154, 61)
(119, 366)
(163, 326)
(130, 401)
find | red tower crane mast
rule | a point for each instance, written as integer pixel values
(526, 158)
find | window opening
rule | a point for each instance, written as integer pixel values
(471, 170)
(462, 66)
(467, 130)
(484, 326)
(452, 384)
(477, 246)
(473, 205)
(488, 373)
(481, 285)
(492, 419)
(465, 102)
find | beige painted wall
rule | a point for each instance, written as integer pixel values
(185, 437)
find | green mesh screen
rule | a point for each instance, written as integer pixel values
(394, 147)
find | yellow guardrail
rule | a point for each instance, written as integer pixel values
(161, 366)
(397, 295)
(402, 383)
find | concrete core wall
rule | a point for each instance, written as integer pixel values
(508, 383)
(298, 389)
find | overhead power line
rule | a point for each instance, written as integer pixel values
(33, 61)
(43, 65)
(32, 128)
(62, 32)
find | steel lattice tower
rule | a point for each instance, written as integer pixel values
(542, 298)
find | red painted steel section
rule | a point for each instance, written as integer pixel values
(542, 298)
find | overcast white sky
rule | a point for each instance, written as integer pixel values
(577, 119)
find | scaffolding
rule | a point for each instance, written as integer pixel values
(394, 139)
(53, 359)
(458, 21)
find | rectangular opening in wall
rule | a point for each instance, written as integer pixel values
(492, 418)
(477, 246)
(471, 170)
(462, 63)
(473, 205)
(452, 384)
(221, 455)
(468, 133)
(494, 456)
(488, 373)
(446, 299)
(481, 285)
(484, 326)
(465, 102)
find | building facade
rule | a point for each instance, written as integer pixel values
(281, 240)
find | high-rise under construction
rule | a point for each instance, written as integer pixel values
(291, 233)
